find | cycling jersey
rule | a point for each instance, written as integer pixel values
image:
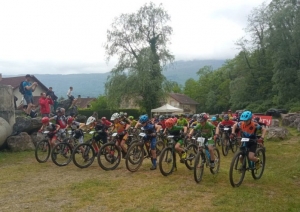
(150, 129)
(206, 130)
(249, 130)
(227, 123)
(182, 122)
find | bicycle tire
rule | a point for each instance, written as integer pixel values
(260, 153)
(166, 161)
(237, 167)
(234, 145)
(225, 146)
(160, 145)
(42, 151)
(199, 167)
(83, 159)
(135, 157)
(61, 154)
(216, 169)
(191, 152)
(109, 156)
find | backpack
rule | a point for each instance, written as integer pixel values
(21, 88)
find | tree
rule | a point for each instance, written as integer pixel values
(100, 103)
(140, 42)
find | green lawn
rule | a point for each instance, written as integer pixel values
(27, 185)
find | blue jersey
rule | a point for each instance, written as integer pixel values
(27, 92)
(149, 128)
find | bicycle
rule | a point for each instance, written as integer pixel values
(227, 142)
(139, 151)
(241, 163)
(203, 158)
(167, 159)
(84, 154)
(43, 148)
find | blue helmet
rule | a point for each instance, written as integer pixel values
(246, 115)
(214, 118)
(143, 119)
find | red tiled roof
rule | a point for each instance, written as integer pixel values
(15, 81)
(83, 102)
(183, 99)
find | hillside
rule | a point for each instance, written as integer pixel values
(92, 85)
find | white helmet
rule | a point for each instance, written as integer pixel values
(90, 120)
(114, 116)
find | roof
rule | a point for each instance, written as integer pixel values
(15, 81)
(183, 99)
(167, 108)
(83, 102)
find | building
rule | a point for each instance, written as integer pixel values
(83, 102)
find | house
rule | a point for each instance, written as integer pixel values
(84, 102)
(182, 101)
(15, 82)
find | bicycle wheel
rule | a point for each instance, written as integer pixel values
(42, 151)
(225, 146)
(215, 170)
(61, 154)
(234, 145)
(257, 173)
(191, 152)
(109, 156)
(135, 157)
(199, 167)
(166, 161)
(237, 169)
(83, 155)
(160, 145)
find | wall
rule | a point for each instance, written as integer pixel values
(7, 110)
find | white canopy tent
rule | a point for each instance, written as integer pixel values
(167, 109)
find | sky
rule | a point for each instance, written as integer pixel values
(67, 36)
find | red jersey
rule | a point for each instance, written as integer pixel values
(227, 123)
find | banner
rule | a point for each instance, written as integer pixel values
(264, 119)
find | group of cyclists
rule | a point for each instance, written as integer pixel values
(181, 126)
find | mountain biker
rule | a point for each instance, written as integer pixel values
(222, 124)
(121, 127)
(214, 121)
(151, 130)
(249, 129)
(76, 129)
(172, 129)
(61, 120)
(182, 121)
(259, 131)
(52, 128)
(219, 119)
(206, 129)
(106, 122)
(132, 120)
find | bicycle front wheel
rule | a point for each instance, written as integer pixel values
(135, 157)
(83, 155)
(166, 161)
(42, 151)
(191, 152)
(199, 167)
(257, 173)
(160, 145)
(109, 156)
(225, 146)
(215, 170)
(61, 154)
(237, 169)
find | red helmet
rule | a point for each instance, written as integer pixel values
(70, 120)
(45, 120)
(202, 117)
(103, 118)
(169, 123)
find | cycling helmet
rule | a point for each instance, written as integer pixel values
(114, 116)
(194, 117)
(256, 119)
(161, 117)
(246, 115)
(214, 118)
(90, 120)
(229, 110)
(45, 120)
(143, 119)
(131, 117)
(226, 117)
(70, 120)
(103, 118)
(169, 123)
(202, 117)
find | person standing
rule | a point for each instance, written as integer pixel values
(71, 97)
(45, 102)
(50, 93)
(29, 88)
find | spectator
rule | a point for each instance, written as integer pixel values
(45, 102)
(50, 93)
(24, 105)
(29, 88)
(71, 97)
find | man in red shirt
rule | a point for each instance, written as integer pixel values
(45, 102)
(222, 124)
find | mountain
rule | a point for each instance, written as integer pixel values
(92, 85)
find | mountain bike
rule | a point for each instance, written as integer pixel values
(227, 142)
(43, 148)
(139, 151)
(167, 158)
(241, 163)
(84, 154)
(203, 159)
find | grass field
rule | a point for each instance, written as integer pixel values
(27, 185)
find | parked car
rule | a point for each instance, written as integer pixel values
(275, 112)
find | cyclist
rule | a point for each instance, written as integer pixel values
(151, 130)
(121, 127)
(249, 129)
(218, 118)
(259, 132)
(182, 121)
(61, 120)
(76, 129)
(172, 129)
(193, 121)
(133, 121)
(206, 129)
(101, 129)
(52, 128)
(106, 122)
(214, 121)
(222, 124)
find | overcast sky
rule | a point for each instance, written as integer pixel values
(66, 36)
